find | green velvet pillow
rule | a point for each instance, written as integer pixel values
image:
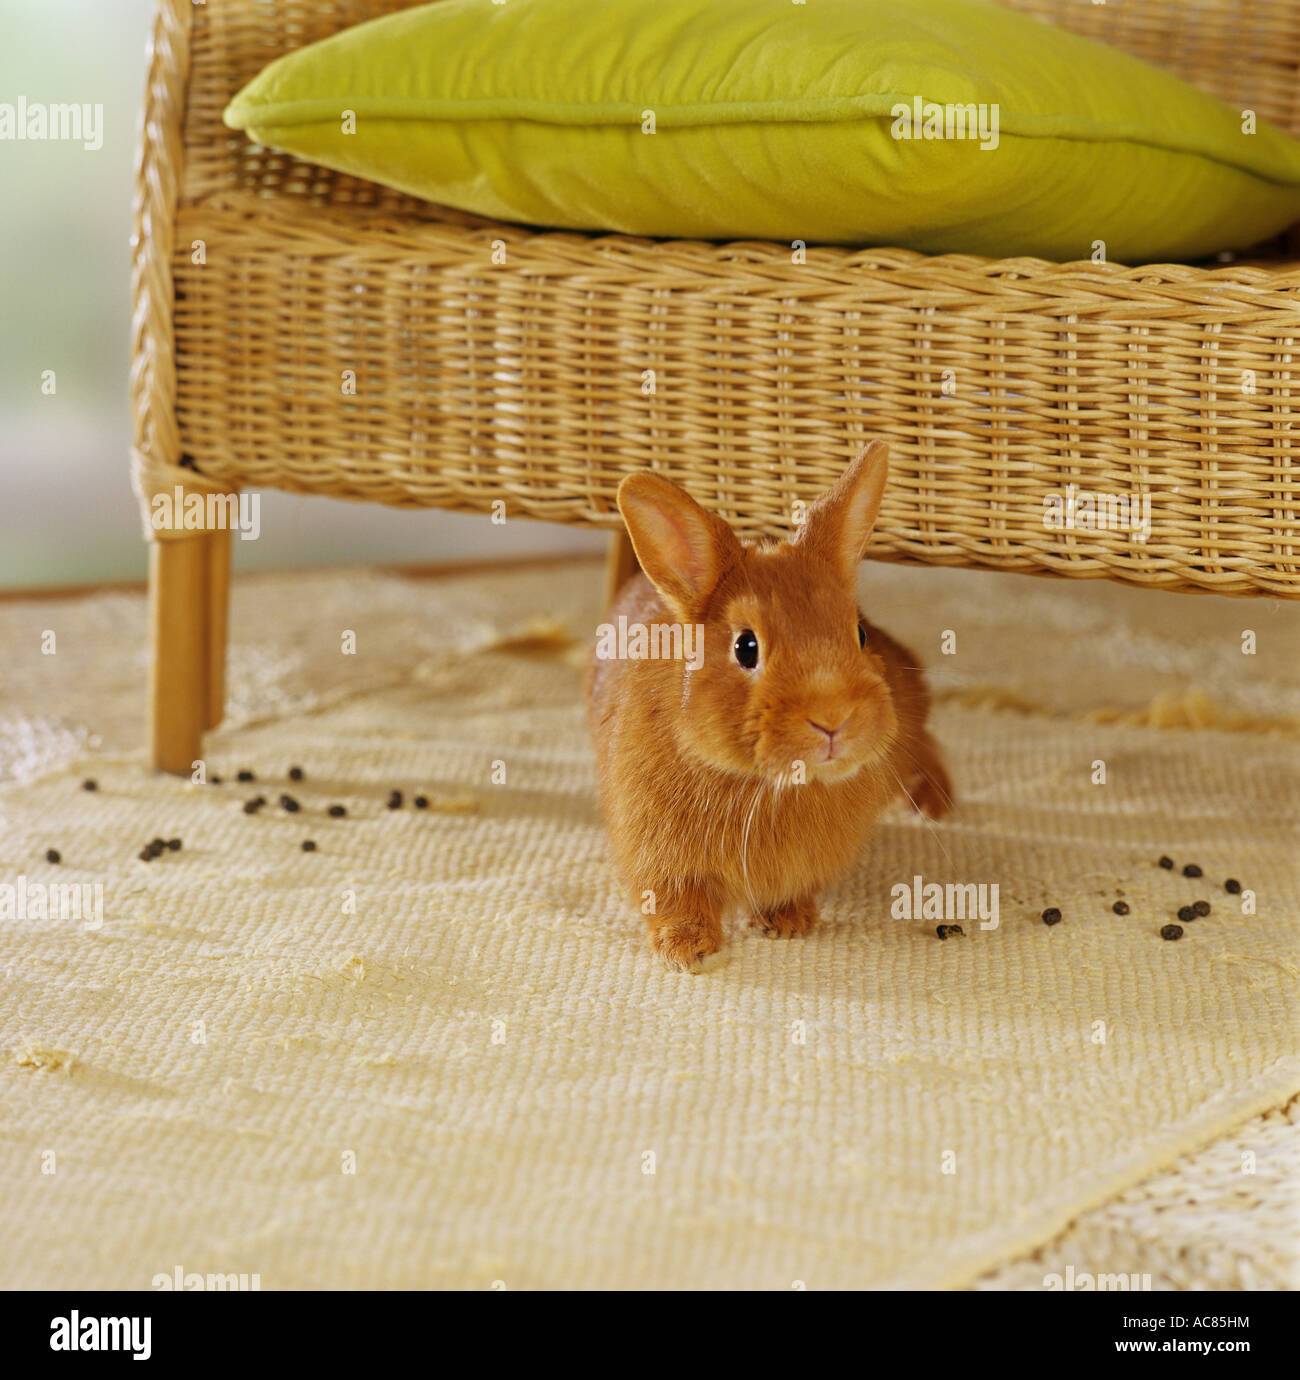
(939, 125)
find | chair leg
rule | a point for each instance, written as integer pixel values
(620, 565)
(179, 618)
(218, 620)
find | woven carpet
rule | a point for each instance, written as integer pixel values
(434, 1051)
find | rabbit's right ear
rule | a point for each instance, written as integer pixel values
(683, 548)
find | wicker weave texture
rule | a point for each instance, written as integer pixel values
(492, 362)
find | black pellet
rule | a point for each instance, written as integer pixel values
(156, 842)
(174, 845)
(309, 845)
(215, 780)
(1232, 886)
(1191, 870)
(1167, 863)
(251, 807)
(245, 775)
(945, 930)
(1202, 908)
(1120, 907)
(53, 855)
(287, 802)
(394, 800)
(90, 784)
(295, 773)
(146, 854)
(421, 802)
(1051, 916)
(1186, 914)
(157, 847)
(337, 811)
(1171, 932)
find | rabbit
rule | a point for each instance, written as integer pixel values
(752, 775)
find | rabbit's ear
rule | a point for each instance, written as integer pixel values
(838, 526)
(683, 548)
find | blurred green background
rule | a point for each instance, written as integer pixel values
(67, 513)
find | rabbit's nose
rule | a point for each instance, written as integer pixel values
(829, 732)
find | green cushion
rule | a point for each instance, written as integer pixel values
(779, 120)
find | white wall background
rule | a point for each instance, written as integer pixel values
(67, 513)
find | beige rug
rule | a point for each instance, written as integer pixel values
(434, 1053)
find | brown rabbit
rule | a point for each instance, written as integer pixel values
(753, 773)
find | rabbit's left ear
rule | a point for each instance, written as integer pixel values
(839, 525)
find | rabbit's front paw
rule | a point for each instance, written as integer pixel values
(683, 941)
(785, 921)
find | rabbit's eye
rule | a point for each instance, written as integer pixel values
(746, 650)
(862, 634)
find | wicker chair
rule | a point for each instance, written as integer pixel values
(536, 368)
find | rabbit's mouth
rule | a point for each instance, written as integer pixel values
(830, 767)
(847, 760)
